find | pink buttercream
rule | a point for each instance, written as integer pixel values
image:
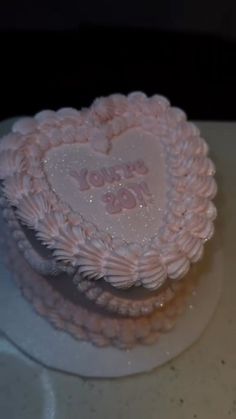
(187, 222)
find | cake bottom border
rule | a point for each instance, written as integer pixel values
(55, 349)
(123, 332)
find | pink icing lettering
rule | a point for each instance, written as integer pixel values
(128, 169)
(96, 178)
(126, 198)
(113, 205)
(110, 175)
(138, 193)
(144, 186)
(80, 176)
(140, 167)
(140, 189)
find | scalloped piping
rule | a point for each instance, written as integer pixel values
(38, 263)
(123, 306)
(83, 325)
(95, 253)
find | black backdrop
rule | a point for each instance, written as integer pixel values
(42, 69)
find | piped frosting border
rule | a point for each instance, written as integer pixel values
(85, 325)
(188, 219)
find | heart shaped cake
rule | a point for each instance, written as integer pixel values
(108, 208)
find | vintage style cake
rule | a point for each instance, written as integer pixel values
(107, 208)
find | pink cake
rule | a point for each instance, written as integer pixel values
(108, 208)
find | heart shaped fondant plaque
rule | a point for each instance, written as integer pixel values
(122, 192)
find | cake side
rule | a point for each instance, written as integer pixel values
(134, 302)
(90, 325)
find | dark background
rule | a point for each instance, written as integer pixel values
(56, 54)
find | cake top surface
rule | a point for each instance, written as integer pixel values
(121, 191)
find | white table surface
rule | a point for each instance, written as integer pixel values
(200, 383)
